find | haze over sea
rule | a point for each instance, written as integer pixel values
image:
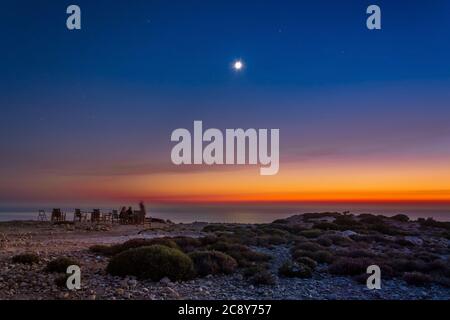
(241, 213)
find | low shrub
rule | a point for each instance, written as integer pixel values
(242, 254)
(430, 222)
(417, 279)
(262, 277)
(212, 262)
(291, 269)
(136, 243)
(327, 226)
(307, 262)
(61, 281)
(356, 253)
(321, 256)
(368, 218)
(153, 262)
(186, 244)
(270, 240)
(208, 240)
(308, 246)
(400, 217)
(26, 258)
(325, 242)
(385, 229)
(60, 264)
(339, 240)
(214, 228)
(349, 266)
(311, 233)
(347, 222)
(101, 249)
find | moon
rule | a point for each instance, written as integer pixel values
(238, 65)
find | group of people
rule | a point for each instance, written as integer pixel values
(129, 215)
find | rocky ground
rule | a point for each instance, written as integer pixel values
(22, 281)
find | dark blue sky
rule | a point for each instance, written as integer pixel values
(110, 94)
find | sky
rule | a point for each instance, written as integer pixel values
(86, 115)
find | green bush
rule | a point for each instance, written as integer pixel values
(292, 269)
(242, 254)
(60, 264)
(102, 249)
(154, 262)
(26, 258)
(356, 253)
(311, 233)
(136, 243)
(260, 276)
(308, 246)
(325, 242)
(61, 281)
(307, 262)
(270, 240)
(321, 256)
(349, 266)
(212, 262)
(187, 244)
(339, 240)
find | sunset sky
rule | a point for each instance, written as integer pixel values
(86, 116)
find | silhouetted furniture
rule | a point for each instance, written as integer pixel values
(79, 215)
(138, 217)
(122, 217)
(42, 216)
(107, 217)
(58, 216)
(95, 215)
(115, 216)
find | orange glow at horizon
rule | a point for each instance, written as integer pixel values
(371, 182)
(404, 182)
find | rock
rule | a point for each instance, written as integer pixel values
(414, 240)
(165, 281)
(171, 293)
(132, 283)
(120, 291)
(348, 233)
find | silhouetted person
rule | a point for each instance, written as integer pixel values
(142, 214)
(142, 208)
(123, 214)
(129, 214)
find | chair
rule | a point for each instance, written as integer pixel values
(42, 216)
(79, 215)
(139, 217)
(107, 217)
(57, 215)
(95, 215)
(115, 216)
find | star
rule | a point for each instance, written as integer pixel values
(238, 65)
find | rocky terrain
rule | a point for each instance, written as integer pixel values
(324, 257)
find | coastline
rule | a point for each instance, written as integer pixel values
(50, 241)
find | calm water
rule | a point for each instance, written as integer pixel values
(246, 214)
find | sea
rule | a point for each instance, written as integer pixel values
(241, 213)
